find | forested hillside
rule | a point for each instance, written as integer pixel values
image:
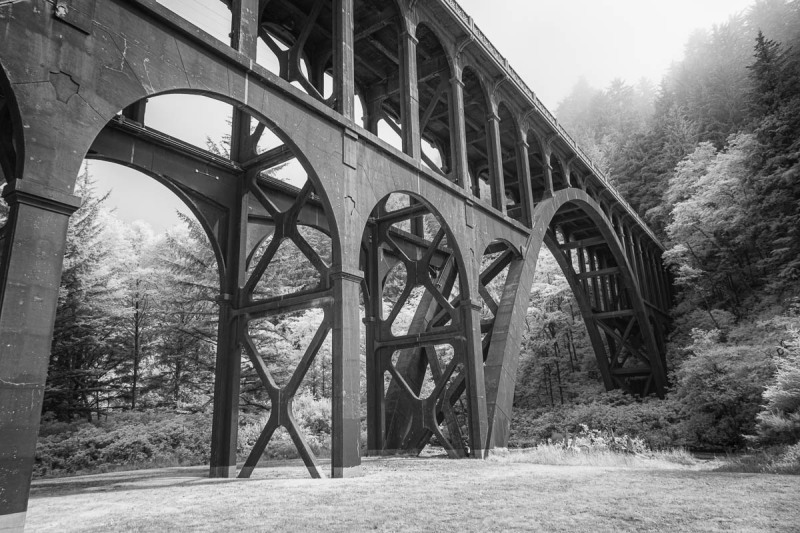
(711, 159)
(710, 156)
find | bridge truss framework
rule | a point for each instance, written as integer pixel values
(505, 181)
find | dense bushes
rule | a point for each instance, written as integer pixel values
(313, 418)
(779, 422)
(652, 420)
(123, 441)
(150, 439)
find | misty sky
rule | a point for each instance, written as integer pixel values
(550, 43)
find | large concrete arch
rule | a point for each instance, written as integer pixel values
(503, 357)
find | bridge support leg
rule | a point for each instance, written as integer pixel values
(346, 358)
(30, 275)
(476, 386)
(224, 431)
(503, 357)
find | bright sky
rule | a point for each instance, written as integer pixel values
(550, 43)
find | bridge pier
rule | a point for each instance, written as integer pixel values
(30, 275)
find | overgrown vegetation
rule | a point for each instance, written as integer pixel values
(711, 158)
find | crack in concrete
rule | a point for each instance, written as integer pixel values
(4, 382)
(353, 209)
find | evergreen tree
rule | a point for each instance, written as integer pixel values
(185, 310)
(86, 359)
(779, 422)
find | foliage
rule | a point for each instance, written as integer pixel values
(313, 418)
(122, 441)
(774, 460)
(709, 249)
(779, 421)
(186, 314)
(652, 420)
(719, 390)
(86, 351)
(557, 364)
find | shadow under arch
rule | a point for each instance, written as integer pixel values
(12, 147)
(409, 249)
(629, 318)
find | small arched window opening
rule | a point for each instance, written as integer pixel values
(433, 79)
(476, 115)
(378, 62)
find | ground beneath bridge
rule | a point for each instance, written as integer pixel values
(432, 494)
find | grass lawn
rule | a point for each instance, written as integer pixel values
(431, 494)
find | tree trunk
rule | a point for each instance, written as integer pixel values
(136, 354)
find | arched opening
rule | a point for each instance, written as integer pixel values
(557, 361)
(536, 161)
(132, 331)
(414, 338)
(280, 256)
(378, 52)
(586, 327)
(296, 43)
(509, 139)
(10, 149)
(433, 78)
(560, 181)
(212, 16)
(476, 115)
(595, 265)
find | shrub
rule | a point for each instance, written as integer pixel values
(313, 417)
(123, 441)
(652, 420)
(779, 421)
(719, 390)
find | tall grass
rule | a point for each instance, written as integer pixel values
(558, 455)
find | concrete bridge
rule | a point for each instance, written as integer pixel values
(472, 179)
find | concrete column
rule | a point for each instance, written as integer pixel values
(549, 190)
(496, 162)
(30, 275)
(230, 332)
(244, 33)
(524, 173)
(346, 374)
(459, 133)
(644, 282)
(476, 385)
(343, 60)
(376, 407)
(410, 96)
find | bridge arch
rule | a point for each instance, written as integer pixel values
(617, 319)
(425, 356)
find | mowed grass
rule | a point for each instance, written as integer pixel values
(425, 494)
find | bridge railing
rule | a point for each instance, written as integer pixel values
(469, 24)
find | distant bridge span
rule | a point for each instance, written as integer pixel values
(482, 177)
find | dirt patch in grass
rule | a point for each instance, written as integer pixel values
(433, 494)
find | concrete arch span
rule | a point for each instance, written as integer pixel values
(616, 315)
